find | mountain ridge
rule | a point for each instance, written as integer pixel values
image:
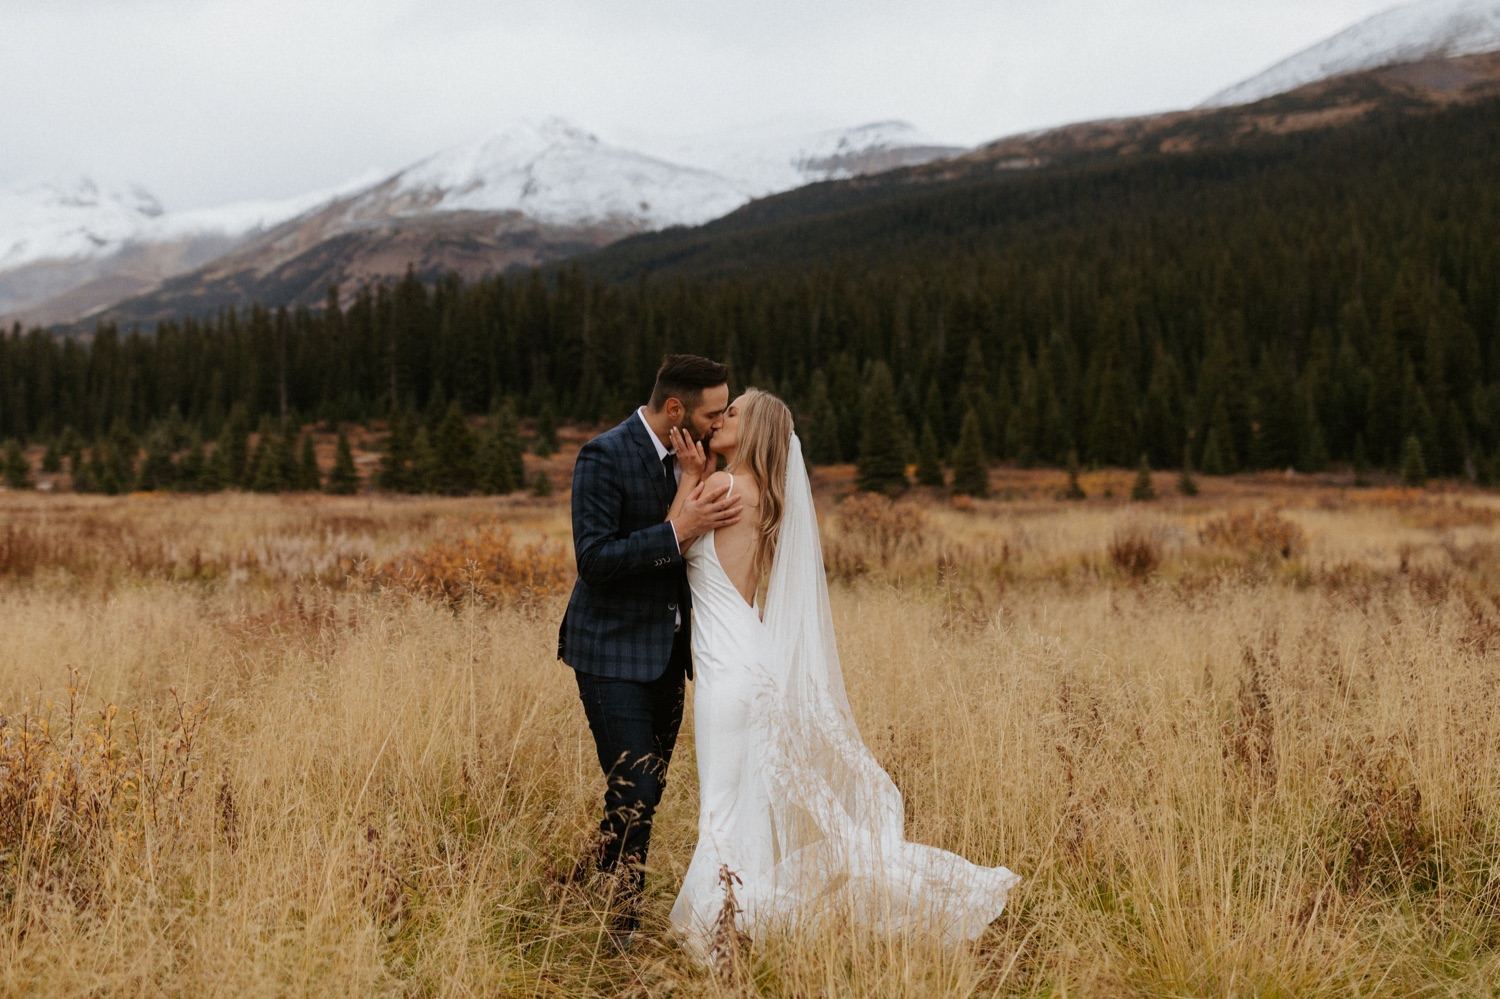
(1410, 33)
(548, 186)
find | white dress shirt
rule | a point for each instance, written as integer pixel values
(661, 449)
(661, 456)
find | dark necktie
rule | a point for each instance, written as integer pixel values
(666, 463)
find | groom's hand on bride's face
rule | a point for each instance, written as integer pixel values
(705, 510)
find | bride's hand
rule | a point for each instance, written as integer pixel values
(691, 456)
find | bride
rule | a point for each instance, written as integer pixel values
(792, 802)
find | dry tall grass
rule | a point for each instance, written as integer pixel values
(320, 746)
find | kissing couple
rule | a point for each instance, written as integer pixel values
(671, 557)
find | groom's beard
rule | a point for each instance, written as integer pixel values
(687, 428)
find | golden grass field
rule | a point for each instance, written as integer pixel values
(1241, 744)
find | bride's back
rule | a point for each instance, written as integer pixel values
(735, 544)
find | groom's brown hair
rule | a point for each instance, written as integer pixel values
(684, 377)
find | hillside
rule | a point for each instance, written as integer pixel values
(789, 229)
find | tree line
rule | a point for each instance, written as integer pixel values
(1321, 300)
(446, 455)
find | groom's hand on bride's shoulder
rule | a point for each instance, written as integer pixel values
(707, 508)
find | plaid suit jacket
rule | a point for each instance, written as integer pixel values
(632, 580)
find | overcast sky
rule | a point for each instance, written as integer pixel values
(208, 101)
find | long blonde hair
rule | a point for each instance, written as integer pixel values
(765, 440)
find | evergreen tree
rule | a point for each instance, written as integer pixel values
(81, 474)
(286, 455)
(70, 446)
(1187, 485)
(216, 474)
(500, 467)
(845, 386)
(971, 469)
(1163, 415)
(822, 437)
(437, 409)
(934, 413)
(1454, 439)
(395, 473)
(544, 443)
(1413, 467)
(267, 475)
(1315, 453)
(1417, 419)
(1143, 491)
(309, 476)
(234, 448)
(1213, 456)
(52, 457)
(344, 479)
(1361, 462)
(424, 465)
(191, 468)
(1489, 471)
(881, 466)
(541, 485)
(119, 455)
(1074, 489)
(1112, 431)
(17, 468)
(157, 470)
(1025, 424)
(455, 473)
(1221, 437)
(929, 459)
(510, 426)
(106, 474)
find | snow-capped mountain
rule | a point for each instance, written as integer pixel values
(769, 161)
(554, 173)
(98, 243)
(1428, 29)
(557, 173)
(81, 220)
(41, 221)
(533, 192)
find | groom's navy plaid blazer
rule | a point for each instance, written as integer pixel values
(632, 580)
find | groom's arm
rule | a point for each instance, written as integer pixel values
(603, 551)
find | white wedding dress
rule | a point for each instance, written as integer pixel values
(791, 800)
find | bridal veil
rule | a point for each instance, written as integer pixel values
(836, 817)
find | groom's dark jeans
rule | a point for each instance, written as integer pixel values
(635, 728)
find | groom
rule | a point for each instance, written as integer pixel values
(625, 633)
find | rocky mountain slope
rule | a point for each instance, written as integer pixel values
(535, 192)
(1412, 33)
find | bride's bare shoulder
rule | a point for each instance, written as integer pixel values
(745, 485)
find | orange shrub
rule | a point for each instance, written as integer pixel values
(1259, 534)
(486, 568)
(872, 529)
(1136, 552)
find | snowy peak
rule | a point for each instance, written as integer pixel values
(1428, 29)
(82, 221)
(770, 162)
(555, 173)
(70, 220)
